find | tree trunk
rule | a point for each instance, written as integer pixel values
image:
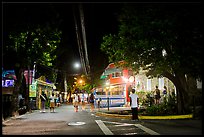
(27, 91)
(15, 103)
(181, 85)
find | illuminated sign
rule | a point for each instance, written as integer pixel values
(9, 74)
(32, 90)
(7, 83)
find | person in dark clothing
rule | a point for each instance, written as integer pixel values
(91, 101)
(157, 95)
(43, 99)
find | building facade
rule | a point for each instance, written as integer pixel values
(120, 81)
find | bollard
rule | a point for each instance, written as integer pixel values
(108, 103)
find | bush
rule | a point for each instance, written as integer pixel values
(161, 109)
(197, 114)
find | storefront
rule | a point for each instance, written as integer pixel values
(36, 90)
(8, 81)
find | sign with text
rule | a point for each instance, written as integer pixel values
(32, 90)
(7, 83)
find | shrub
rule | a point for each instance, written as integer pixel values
(161, 109)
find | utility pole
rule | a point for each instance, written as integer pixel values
(28, 90)
(65, 84)
(33, 102)
(33, 80)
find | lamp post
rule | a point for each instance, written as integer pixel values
(76, 65)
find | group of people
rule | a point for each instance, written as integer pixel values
(77, 100)
(157, 94)
(54, 101)
(81, 100)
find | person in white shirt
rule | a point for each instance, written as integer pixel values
(83, 102)
(76, 102)
(134, 102)
(52, 103)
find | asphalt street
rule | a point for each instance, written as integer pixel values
(65, 121)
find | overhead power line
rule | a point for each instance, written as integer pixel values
(79, 42)
(84, 37)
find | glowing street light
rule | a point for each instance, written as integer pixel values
(77, 65)
(80, 81)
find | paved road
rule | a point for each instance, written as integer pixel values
(67, 122)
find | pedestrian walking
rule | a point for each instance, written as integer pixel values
(83, 104)
(58, 100)
(43, 98)
(91, 101)
(99, 103)
(52, 102)
(134, 102)
(157, 95)
(165, 94)
(76, 102)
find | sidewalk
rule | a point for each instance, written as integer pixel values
(4, 121)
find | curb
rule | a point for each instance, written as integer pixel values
(189, 116)
(4, 121)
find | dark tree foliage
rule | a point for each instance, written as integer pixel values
(163, 39)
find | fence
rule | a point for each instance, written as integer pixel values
(109, 101)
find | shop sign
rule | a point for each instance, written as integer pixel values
(7, 83)
(32, 90)
(7, 90)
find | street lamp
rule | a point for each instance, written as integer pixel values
(80, 81)
(77, 65)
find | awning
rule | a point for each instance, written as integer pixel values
(103, 76)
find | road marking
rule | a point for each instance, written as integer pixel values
(130, 134)
(103, 127)
(76, 123)
(149, 131)
(119, 124)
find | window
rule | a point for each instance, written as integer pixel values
(161, 83)
(149, 85)
(117, 74)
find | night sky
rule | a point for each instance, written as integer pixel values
(100, 19)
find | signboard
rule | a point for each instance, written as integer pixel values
(7, 83)
(32, 90)
(7, 90)
(8, 74)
